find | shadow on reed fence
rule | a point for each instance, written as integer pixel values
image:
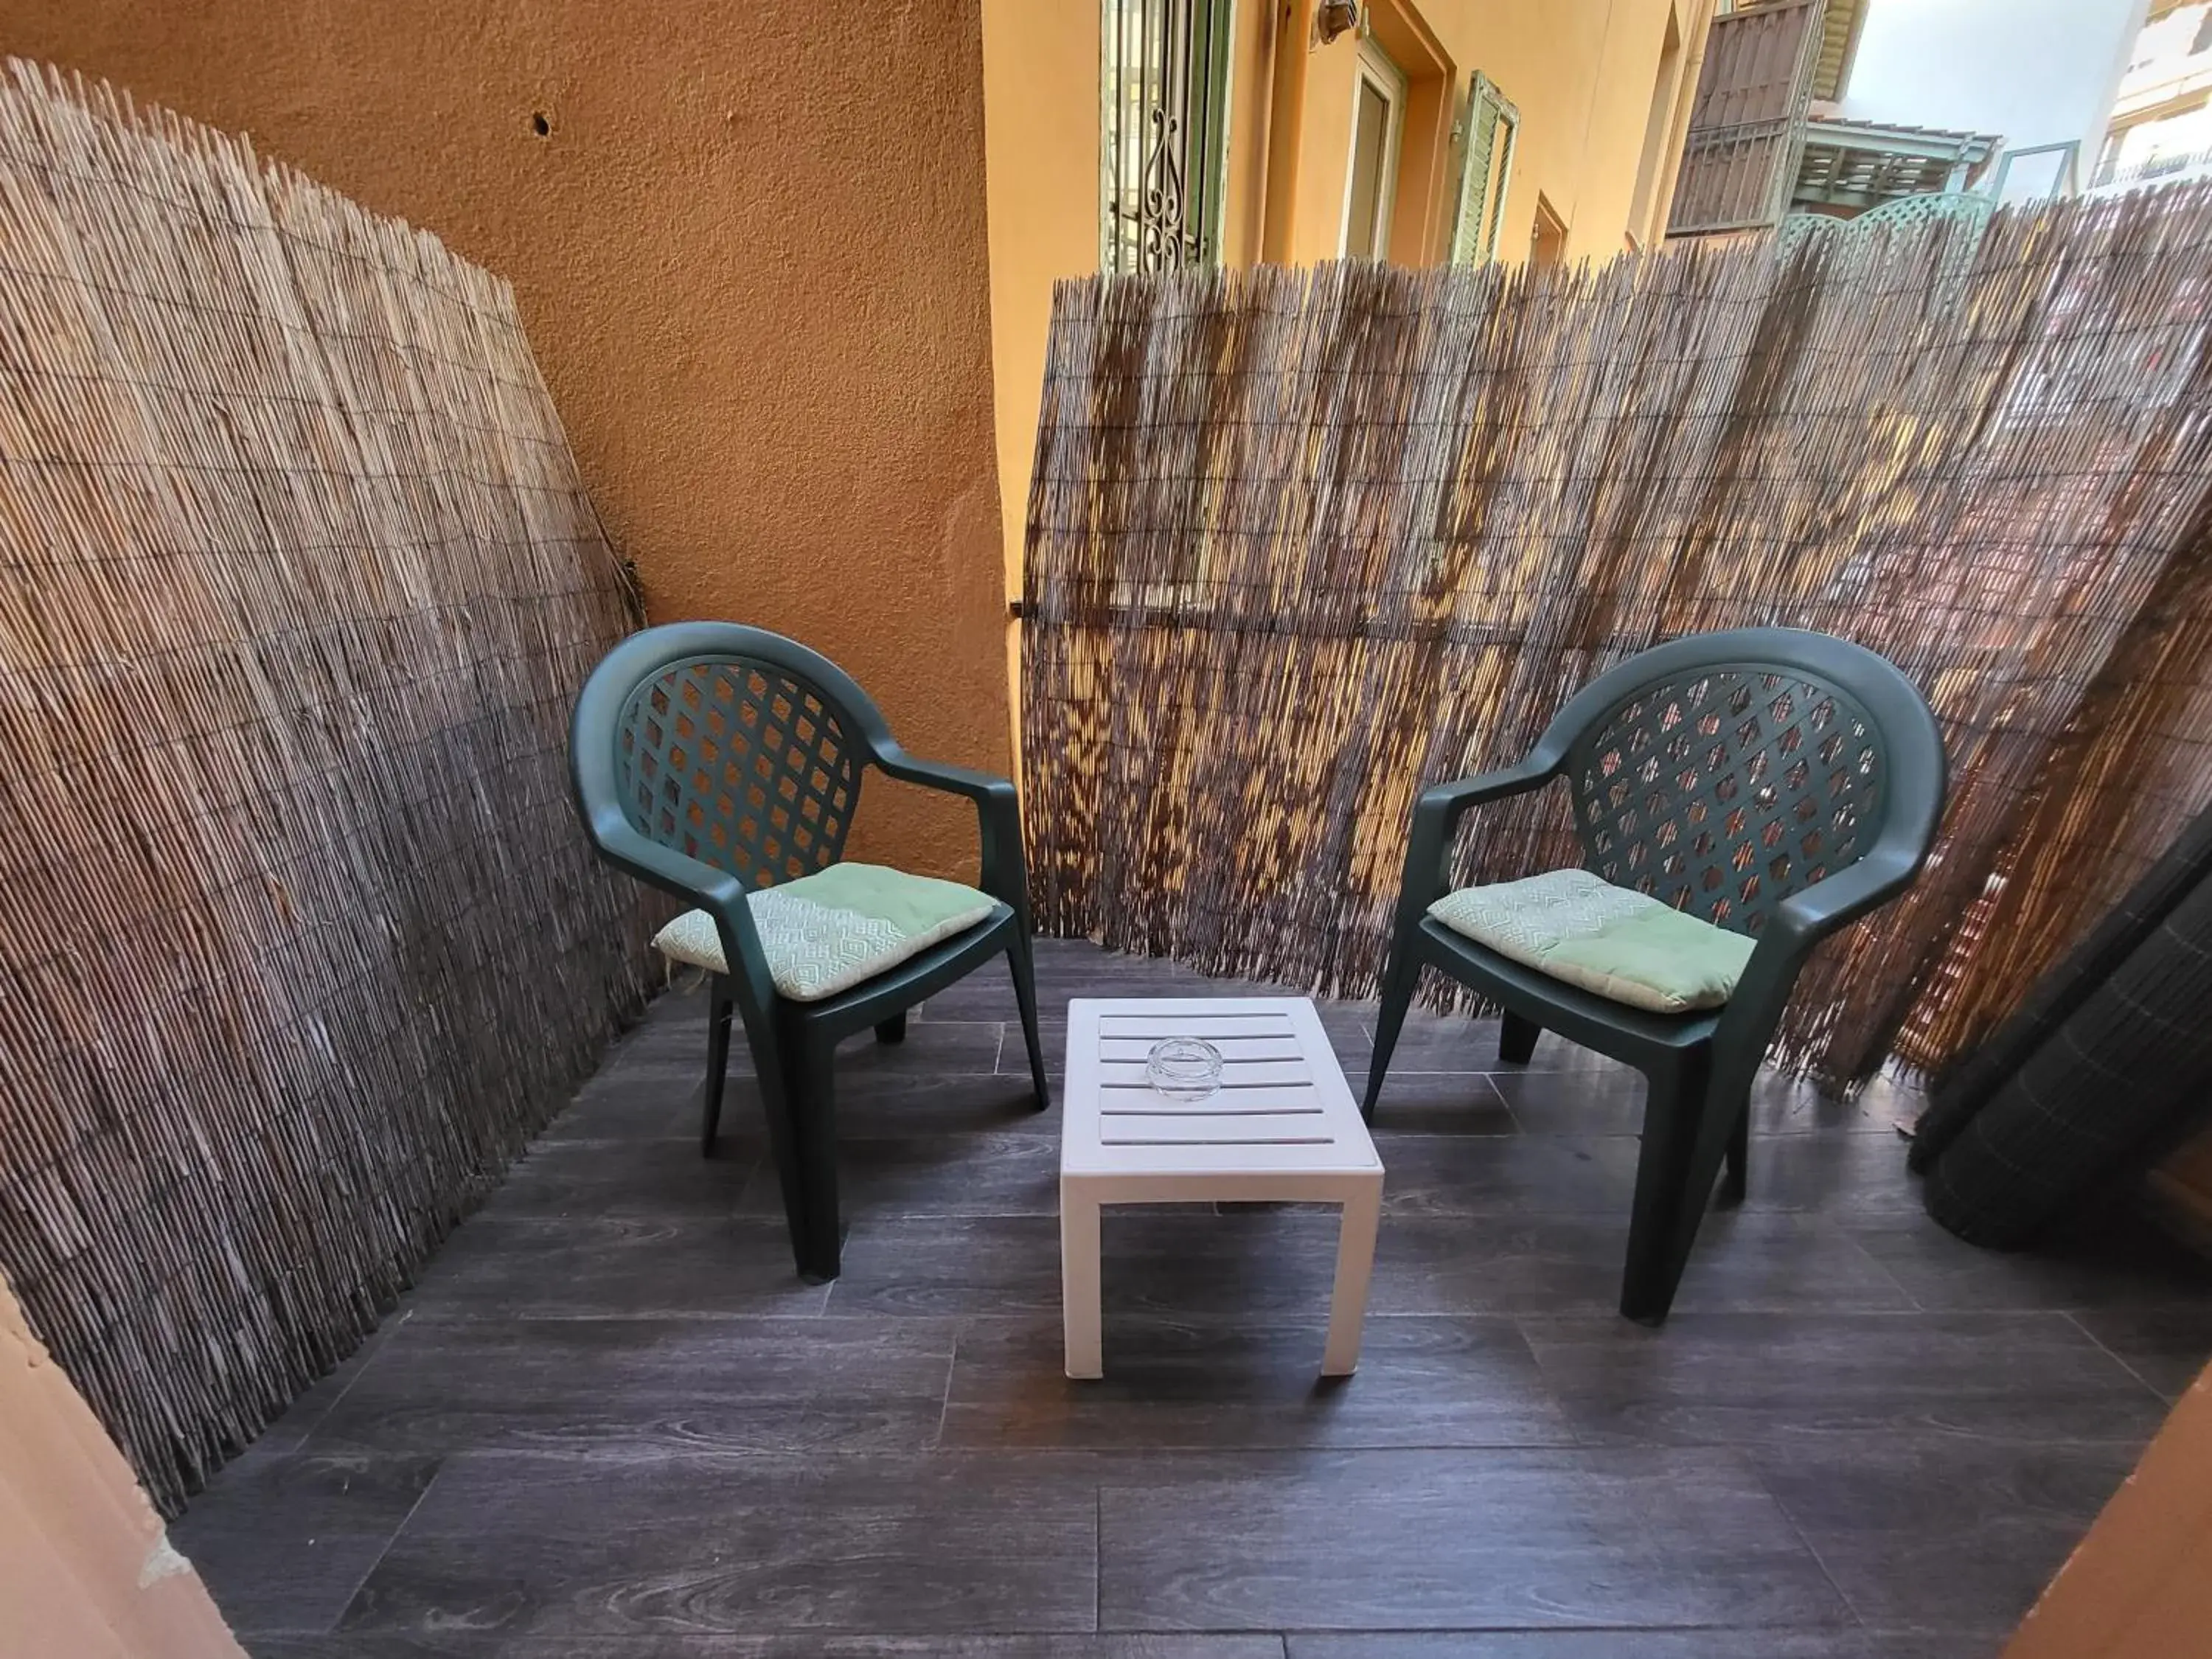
(300, 941)
(1301, 542)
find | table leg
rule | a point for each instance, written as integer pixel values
(1355, 1265)
(1078, 1282)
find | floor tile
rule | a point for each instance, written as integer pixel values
(624, 1386)
(1379, 1541)
(677, 1050)
(1257, 1263)
(1217, 1383)
(1603, 1098)
(1437, 1175)
(1432, 1043)
(990, 1172)
(1777, 1379)
(1843, 1176)
(305, 1414)
(1653, 1645)
(1439, 1104)
(521, 1266)
(1743, 1260)
(1922, 1533)
(887, 1103)
(629, 1176)
(651, 1440)
(374, 1645)
(1052, 1034)
(662, 1104)
(1593, 1101)
(532, 1544)
(2168, 1344)
(297, 1534)
(2126, 1263)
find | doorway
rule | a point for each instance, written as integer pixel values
(1378, 121)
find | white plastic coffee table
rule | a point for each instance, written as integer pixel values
(1283, 1128)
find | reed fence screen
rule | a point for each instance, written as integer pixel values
(300, 940)
(1302, 543)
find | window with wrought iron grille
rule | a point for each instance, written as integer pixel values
(1487, 133)
(1163, 85)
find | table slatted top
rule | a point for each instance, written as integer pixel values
(1283, 1106)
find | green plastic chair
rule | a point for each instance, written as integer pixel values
(1776, 782)
(774, 740)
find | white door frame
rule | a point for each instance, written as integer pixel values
(1375, 69)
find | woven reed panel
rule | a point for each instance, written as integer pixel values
(300, 939)
(1302, 543)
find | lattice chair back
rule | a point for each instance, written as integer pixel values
(1724, 786)
(743, 764)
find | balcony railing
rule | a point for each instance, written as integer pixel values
(2111, 174)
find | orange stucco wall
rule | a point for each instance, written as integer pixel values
(2140, 1585)
(750, 250)
(1043, 131)
(86, 1570)
(1583, 77)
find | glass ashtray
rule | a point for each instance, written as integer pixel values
(1184, 1068)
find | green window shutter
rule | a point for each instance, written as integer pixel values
(1486, 162)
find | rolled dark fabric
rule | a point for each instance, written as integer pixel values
(1968, 1087)
(2110, 1088)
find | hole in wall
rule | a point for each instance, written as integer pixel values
(539, 124)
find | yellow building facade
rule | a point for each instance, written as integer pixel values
(1415, 130)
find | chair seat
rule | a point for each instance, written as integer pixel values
(830, 931)
(1625, 945)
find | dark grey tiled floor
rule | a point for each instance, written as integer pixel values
(611, 1424)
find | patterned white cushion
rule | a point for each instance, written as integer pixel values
(826, 932)
(1619, 943)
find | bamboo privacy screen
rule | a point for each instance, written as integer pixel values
(300, 939)
(1301, 542)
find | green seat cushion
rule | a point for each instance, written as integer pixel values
(826, 932)
(1620, 943)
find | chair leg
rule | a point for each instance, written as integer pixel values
(718, 1010)
(772, 1063)
(813, 1066)
(1398, 978)
(1022, 959)
(892, 1030)
(1516, 1039)
(1733, 1181)
(1666, 1209)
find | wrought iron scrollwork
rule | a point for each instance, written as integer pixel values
(1164, 66)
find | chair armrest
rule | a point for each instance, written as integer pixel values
(717, 892)
(936, 774)
(1437, 813)
(1794, 926)
(998, 819)
(1844, 897)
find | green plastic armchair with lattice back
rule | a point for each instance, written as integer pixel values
(723, 764)
(1738, 796)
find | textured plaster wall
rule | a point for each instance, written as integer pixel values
(1041, 67)
(749, 247)
(2140, 1585)
(1583, 77)
(86, 1571)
